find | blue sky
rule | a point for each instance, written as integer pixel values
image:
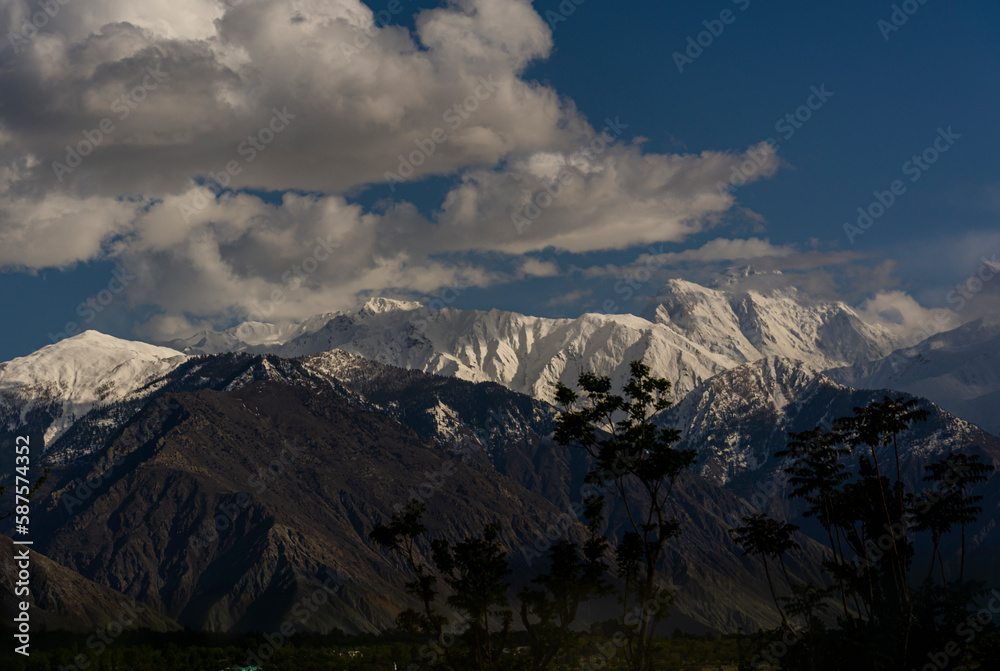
(889, 99)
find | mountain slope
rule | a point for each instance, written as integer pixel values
(747, 324)
(50, 389)
(276, 485)
(160, 467)
(957, 369)
(62, 599)
(739, 419)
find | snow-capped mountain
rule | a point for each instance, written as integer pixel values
(56, 385)
(747, 324)
(958, 369)
(687, 334)
(740, 418)
(525, 354)
(248, 335)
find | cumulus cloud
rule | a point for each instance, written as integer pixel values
(905, 318)
(534, 268)
(209, 146)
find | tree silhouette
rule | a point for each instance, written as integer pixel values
(877, 425)
(400, 536)
(476, 570)
(815, 474)
(950, 503)
(891, 625)
(765, 537)
(549, 610)
(635, 461)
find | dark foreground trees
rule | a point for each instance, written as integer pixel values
(851, 478)
(632, 461)
(635, 462)
(475, 572)
(885, 603)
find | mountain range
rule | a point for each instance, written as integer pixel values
(687, 333)
(150, 443)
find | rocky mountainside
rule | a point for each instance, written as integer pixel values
(62, 599)
(959, 370)
(134, 481)
(150, 445)
(739, 419)
(687, 334)
(225, 509)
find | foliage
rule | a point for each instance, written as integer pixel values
(887, 619)
(635, 461)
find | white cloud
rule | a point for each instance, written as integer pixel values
(534, 268)
(722, 249)
(155, 95)
(905, 318)
(60, 230)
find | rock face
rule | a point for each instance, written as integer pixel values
(228, 509)
(195, 505)
(62, 599)
(687, 333)
(739, 419)
(204, 457)
(959, 370)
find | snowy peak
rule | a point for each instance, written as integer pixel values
(732, 418)
(247, 334)
(687, 334)
(705, 316)
(525, 354)
(379, 305)
(738, 420)
(747, 324)
(74, 375)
